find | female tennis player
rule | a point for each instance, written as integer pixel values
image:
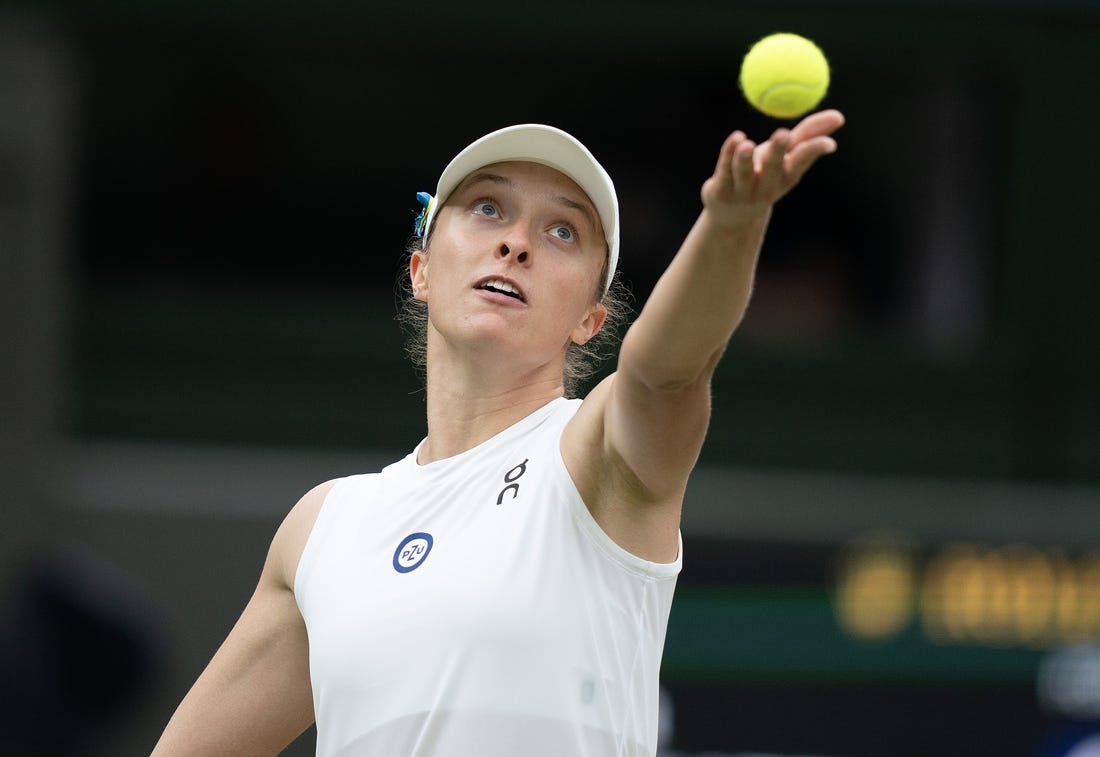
(505, 588)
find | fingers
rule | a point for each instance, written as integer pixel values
(788, 155)
(818, 124)
(803, 155)
(744, 172)
(725, 155)
(770, 161)
(768, 170)
(723, 178)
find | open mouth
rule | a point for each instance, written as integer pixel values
(502, 287)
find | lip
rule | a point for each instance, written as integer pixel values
(500, 297)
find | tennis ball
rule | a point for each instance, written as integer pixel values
(784, 75)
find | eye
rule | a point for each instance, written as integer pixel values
(564, 232)
(486, 208)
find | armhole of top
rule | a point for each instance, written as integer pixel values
(603, 541)
(317, 533)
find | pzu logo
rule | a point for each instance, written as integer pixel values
(511, 478)
(412, 552)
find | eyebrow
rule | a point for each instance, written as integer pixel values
(562, 200)
(585, 210)
(477, 178)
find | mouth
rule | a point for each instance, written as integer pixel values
(501, 286)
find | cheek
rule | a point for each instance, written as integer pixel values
(586, 282)
(574, 308)
(445, 266)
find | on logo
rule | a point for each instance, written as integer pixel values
(411, 552)
(512, 479)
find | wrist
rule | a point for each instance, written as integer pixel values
(736, 227)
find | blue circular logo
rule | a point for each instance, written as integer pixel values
(412, 552)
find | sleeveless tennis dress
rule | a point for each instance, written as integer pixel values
(472, 606)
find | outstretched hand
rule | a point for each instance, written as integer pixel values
(750, 178)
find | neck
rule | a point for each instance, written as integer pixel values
(471, 400)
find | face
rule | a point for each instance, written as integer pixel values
(515, 259)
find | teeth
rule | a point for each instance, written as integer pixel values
(503, 286)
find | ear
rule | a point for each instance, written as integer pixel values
(590, 325)
(418, 275)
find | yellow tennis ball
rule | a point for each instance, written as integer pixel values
(784, 75)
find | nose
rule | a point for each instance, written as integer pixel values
(520, 251)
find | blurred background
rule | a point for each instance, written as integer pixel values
(892, 541)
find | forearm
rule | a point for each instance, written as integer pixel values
(254, 697)
(696, 305)
(702, 296)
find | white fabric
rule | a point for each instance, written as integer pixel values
(523, 630)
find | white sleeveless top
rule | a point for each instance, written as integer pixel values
(472, 606)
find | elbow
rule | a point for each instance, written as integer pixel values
(669, 373)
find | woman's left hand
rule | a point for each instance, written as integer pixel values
(750, 178)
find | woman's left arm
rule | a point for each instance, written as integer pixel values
(702, 296)
(656, 407)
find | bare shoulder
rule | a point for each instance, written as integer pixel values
(292, 535)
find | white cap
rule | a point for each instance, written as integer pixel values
(537, 143)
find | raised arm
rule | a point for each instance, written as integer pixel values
(703, 294)
(254, 697)
(649, 419)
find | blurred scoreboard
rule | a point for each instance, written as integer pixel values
(880, 648)
(968, 594)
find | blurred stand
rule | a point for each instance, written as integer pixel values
(80, 647)
(77, 641)
(36, 140)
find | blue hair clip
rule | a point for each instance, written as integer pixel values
(425, 201)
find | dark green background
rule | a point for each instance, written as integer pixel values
(243, 186)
